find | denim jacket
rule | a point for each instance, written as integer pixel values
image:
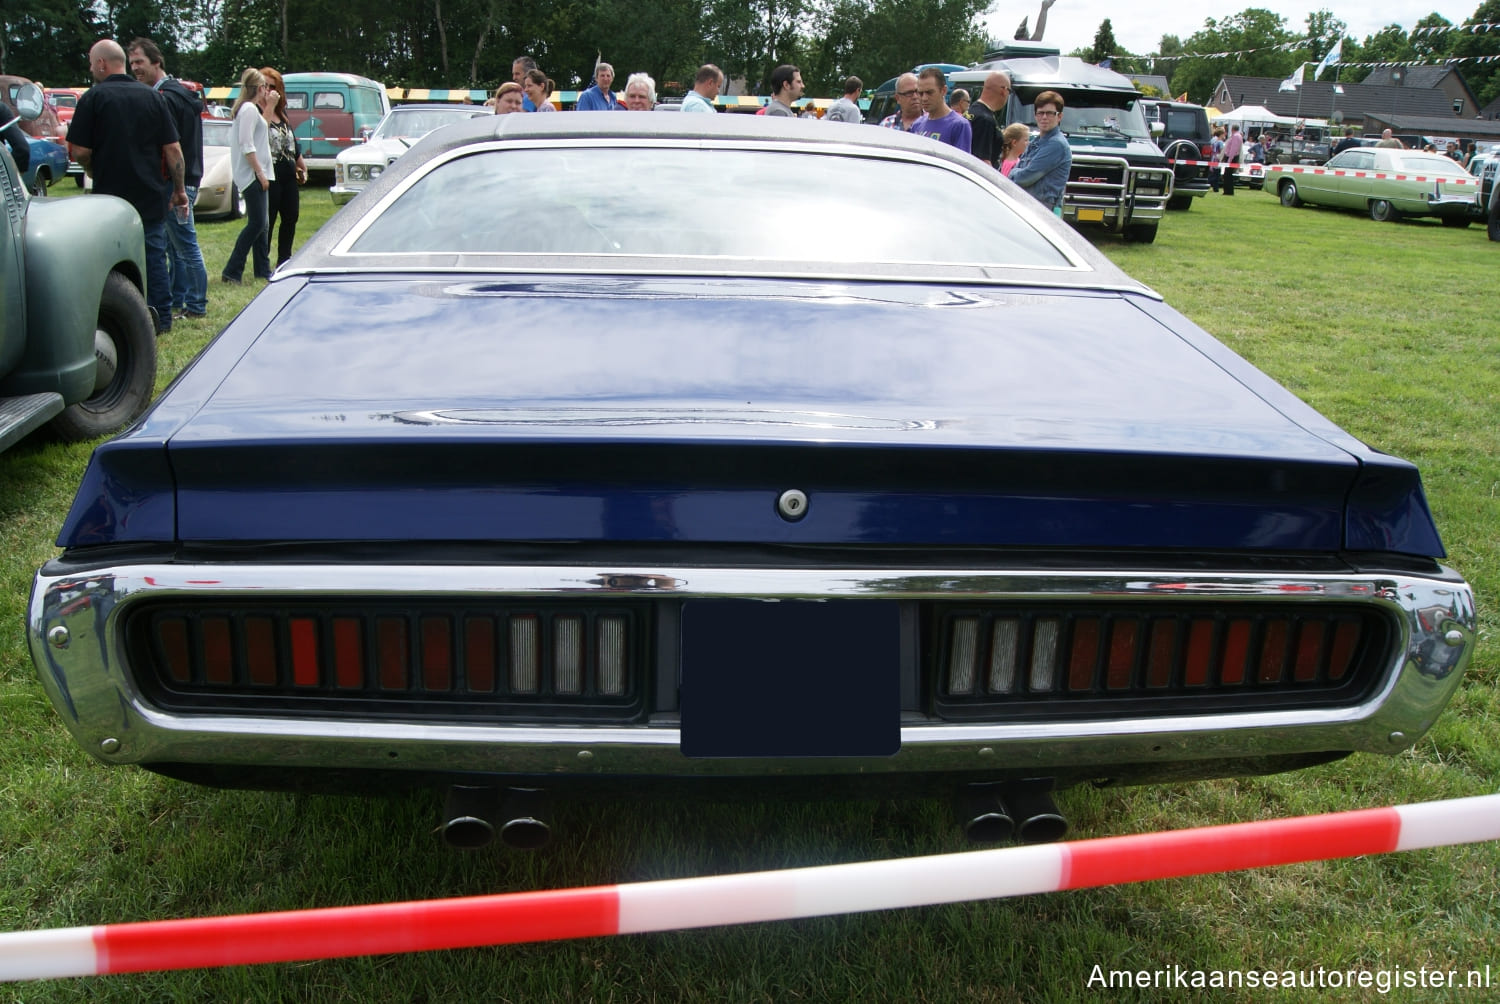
(1043, 171)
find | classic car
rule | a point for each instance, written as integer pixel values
(218, 196)
(77, 347)
(49, 162)
(523, 478)
(63, 100)
(1386, 183)
(357, 166)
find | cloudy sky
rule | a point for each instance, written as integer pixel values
(1071, 24)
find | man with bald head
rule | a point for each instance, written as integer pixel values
(123, 134)
(909, 105)
(989, 115)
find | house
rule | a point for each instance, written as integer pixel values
(1338, 102)
(1447, 79)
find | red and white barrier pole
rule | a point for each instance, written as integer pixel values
(718, 900)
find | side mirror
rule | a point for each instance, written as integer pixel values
(1157, 129)
(29, 102)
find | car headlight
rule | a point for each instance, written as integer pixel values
(375, 170)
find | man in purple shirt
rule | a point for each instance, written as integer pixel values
(938, 120)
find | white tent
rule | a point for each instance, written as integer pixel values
(1262, 115)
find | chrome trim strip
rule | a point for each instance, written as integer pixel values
(75, 638)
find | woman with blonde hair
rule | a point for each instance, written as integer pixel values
(1013, 142)
(250, 153)
(508, 98)
(288, 172)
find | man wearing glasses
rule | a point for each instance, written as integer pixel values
(1043, 170)
(988, 117)
(940, 122)
(906, 100)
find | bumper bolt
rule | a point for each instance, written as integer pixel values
(58, 637)
(109, 745)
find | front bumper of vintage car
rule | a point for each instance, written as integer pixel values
(155, 664)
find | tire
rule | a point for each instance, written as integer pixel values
(78, 179)
(41, 182)
(1492, 226)
(1456, 222)
(1141, 233)
(1183, 202)
(1289, 196)
(124, 333)
(236, 202)
(1382, 211)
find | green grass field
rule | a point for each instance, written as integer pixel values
(1387, 328)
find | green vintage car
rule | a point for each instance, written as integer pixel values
(1386, 183)
(77, 346)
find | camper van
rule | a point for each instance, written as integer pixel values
(1120, 180)
(331, 112)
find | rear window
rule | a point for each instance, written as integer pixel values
(1429, 163)
(1182, 123)
(718, 203)
(366, 101)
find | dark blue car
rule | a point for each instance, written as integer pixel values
(607, 453)
(49, 163)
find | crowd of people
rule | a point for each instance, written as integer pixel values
(139, 136)
(987, 127)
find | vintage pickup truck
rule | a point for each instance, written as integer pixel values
(77, 346)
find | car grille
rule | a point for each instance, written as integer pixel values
(1004, 662)
(432, 659)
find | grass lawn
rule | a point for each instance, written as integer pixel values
(1389, 329)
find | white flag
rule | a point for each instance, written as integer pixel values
(1294, 81)
(1329, 60)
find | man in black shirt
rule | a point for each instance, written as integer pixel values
(123, 135)
(189, 274)
(988, 118)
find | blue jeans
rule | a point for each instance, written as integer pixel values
(189, 274)
(158, 280)
(252, 239)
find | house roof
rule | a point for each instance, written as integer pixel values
(1317, 98)
(1427, 125)
(1413, 76)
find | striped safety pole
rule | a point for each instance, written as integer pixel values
(716, 900)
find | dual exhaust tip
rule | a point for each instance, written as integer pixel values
(1019, 810)
(475, 817)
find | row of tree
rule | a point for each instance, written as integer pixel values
(1261, 45)
(471, 43)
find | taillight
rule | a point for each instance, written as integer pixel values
(493, 659)
(1008, 658)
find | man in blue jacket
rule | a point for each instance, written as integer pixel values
(1043, 169)
(598, 97)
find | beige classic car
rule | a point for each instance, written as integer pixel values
(1386, 183)
(218, 196)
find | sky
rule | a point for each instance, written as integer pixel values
(1071, 24)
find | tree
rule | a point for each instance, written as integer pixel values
(1253, 40)
(1483, 78)
(1104, 43)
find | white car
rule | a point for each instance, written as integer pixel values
(218, 196)
(359, 165)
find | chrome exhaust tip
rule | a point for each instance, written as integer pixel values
(983, 814)
(469, 817)
(1040, 820)
(525, 811)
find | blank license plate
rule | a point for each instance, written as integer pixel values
(790, 679)
(1091, 215)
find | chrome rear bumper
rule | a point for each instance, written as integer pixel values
(76, 642)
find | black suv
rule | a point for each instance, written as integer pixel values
(1186, 139)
